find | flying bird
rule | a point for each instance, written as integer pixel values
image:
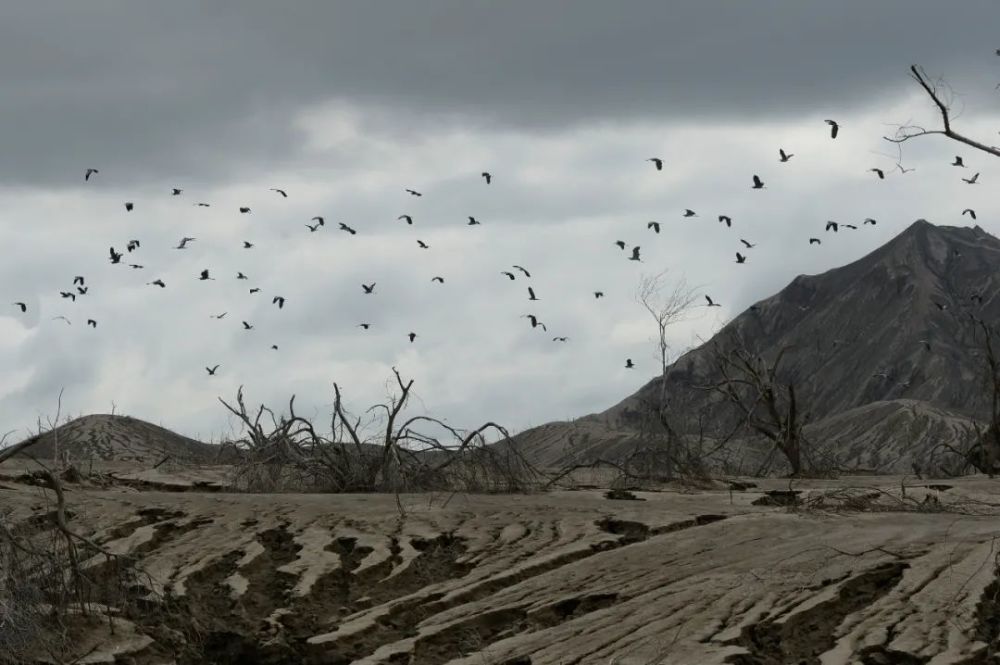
(279, 300)
(814, 241)
(635, 254)
(366, 326)
(247, 244)
(319, 219)
(135, 266)
(157, 282)
(598, 294)
(621, 244)
(254, 290)
(368, 288)
(972, 180)
(757, 183)
(78, 280)
(834, 128)
(176, 192)
(313, 227)
(727, 220)
(412, 335)
(92, 323)
(204, 275)
(244, 209)
(88, 173)
(132, 245)
(747, 244)
(535, 323)
(657, 162)
(203, 205)
(439, 280)
(423, 245)
(629, 364)
(345, 227)
(970, 212)
(653, 225)
(879, 172)
(247, 326)
(183, 243)
(283, 193)
(83, 290)
(712, 303)
(958, 162)
(869, 220)
(409, 220)
(831, 225)
(21, 305)
(526, 273)
(473, 221)
(531, 294)
(220, 316)
(115, 256)
(412, 192)
(509, 274)
(128, 206)
(690, 213)
(240, 275)
(784, 156)
(560, 339)
(211, 370)
(740, 258)
(487, 176)
(850, 226)
(274, 347)
(68, 322)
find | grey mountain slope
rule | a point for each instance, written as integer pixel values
(853, 337)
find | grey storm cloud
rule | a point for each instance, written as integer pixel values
(193, 91)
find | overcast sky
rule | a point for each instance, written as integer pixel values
(346, 104)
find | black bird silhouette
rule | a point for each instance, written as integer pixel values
(635, 254)
(240, 275)
(628, 364)
(92, 323)
(203, 205)
(211, 370)
(274, 347)
(439, 280)
(509, 274)
(366, 326)
(728, 220)
(83, 290)
(531, 294)
(834, 128)
(279, 300)
(115, 256)
(368, 288)
(850, 226)
(247, 326)
(560, 339)
(656, 161)
(970, 212)
(158, 282)
(244, 209)
(879, 172)
(88, 173)
(473, 221)
(488, 176)
(128, 206)
(814, 241)
(712, 303)
(958, 162)
(535, 323)
(972, 180)
(621, 244)
(312, 227)
(748, 245)
(526, 273)
(654, 225)
(135, 266)
(176, 192)
(598, 294)
(345, 227)
(319, 219)
(740, 258)
(831, 225)
(21, 305)
(412, 335)
(690, 213)
(283, 193)
(409, 220)
(183, 243)
(869, 220)
(204, 275)
(247, 244)
(132, 245)
(220, 316)
(63, 318)
(78, 280)
(413, 192)
(254, 290)
(423, 245)
(783, 156)
(757, 183)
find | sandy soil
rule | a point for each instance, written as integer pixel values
(561, 577)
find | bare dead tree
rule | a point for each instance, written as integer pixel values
(942, 97)
(667, 305)
(766, 403)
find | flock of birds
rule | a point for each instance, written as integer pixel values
(79, 288)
